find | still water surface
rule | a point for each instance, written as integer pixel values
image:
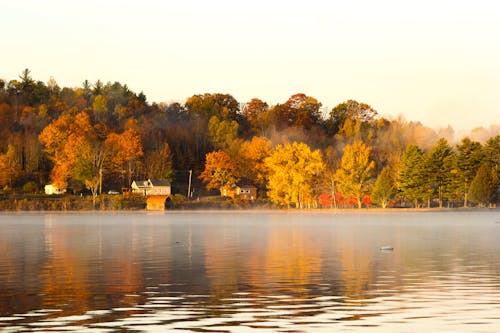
(250, 272)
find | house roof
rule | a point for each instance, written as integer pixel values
(245, 182)
(151, 183)
(141, 183)
(158, 182)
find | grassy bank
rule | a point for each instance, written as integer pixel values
(70, 203)
(39, 202)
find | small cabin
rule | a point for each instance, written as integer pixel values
(51, 189)
(151, 187)
(243, 189)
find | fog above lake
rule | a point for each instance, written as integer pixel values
(242, 271)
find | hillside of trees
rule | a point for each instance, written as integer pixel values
(101, 136)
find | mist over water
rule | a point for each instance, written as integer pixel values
(243, 271)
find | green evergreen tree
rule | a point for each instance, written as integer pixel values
(410, 178)
(484, 185)
(441, 160)
(469, 158)
(491, 152)
(384, 190)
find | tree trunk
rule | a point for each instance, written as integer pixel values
(100, 181)
(334, 195)
(466, 194)
(440, 199)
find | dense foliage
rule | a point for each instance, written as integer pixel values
(100, 136)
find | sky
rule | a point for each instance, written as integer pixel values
(433, 61)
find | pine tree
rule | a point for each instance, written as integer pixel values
(470, 155)
(411, 178)
(491, 152)
(441, 160)
(484, 185)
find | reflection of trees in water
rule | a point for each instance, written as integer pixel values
(21, 259)
(64, 274)
(87, 269)
(280, 260)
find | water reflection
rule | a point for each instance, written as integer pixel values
(250, 272)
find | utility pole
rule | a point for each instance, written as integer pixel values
(189, 184)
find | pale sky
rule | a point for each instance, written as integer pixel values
(434, 61)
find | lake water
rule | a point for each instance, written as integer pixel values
(241, 271)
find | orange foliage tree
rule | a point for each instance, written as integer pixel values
(254, 154)
(219, 171)
(125, 149)
(77, 149)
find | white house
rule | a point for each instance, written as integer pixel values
(151, 187)
(50, 189)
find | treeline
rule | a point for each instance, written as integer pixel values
(102, 136)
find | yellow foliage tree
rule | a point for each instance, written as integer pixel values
(222, 132)
(9, 167)
(293, 169)
(356, 169)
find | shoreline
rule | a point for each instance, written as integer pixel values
(332, 211)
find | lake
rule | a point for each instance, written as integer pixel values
(250, 271)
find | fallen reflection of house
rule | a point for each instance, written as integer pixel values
(151, 187)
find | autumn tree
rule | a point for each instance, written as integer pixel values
(9, 167)
(384, 190)
(158, 163)
(251, 160)
(124, 150)
(224, 106)
(356, 171)
(219, 171)
(299, 110)
(332, 162)
(354, 111)
(222, 133)
(54, 138)
(200, 109)
(390, 142)
(257, 114)
(77, 149)
(100, 108)
(87, 156)
(293, 169)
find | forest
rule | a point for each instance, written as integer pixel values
(102, 136)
